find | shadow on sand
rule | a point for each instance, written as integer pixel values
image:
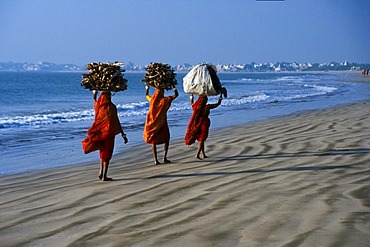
(274, 156)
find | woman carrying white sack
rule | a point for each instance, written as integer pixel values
(201, 80)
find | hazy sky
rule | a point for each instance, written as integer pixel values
(184, 31)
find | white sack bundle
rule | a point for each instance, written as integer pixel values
(198, 81)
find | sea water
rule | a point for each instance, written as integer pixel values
(45, 116)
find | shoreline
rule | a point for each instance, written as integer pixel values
(176, 141)
(301, 179)
(70, 151)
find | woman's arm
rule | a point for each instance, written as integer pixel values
(172, 97)
(125, 140)
(176, 92)
(146, 90)
(191, 99)
(147, 96)
(212, 106)
(95, 94)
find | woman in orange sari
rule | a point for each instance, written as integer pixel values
(198, 127)
(102, 132)
(156, 129)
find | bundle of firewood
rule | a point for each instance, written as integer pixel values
(160, 75)
(104, 77)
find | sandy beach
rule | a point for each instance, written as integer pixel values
(300, 180)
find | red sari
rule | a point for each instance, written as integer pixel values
(198, 127)
(156, 129)
(102, 132)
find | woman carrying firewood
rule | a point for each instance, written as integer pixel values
(156, 129)
(198, 127)
(102, 132)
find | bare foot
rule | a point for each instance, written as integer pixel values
(100, 176)
(156, 162)
(107, 179)
(166, 161)
(198, 157)
(205, 156)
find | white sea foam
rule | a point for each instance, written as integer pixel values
(45, 118)
(324, 89)
(245, 100)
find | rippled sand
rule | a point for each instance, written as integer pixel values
(302, 180)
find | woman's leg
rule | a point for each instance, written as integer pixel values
(154, 150)
(106, 152)
(203, 151)
(200, 148)
(166, 145)
(105, 169)
(101, 170)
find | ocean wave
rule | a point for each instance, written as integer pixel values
(47, 118)
(245, 100)
(133, 106)
(294, 79)
(316, 90)
(241, 80)
(324, 89)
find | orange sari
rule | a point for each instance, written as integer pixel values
(156, 129)
(199, 122)
(105, 127)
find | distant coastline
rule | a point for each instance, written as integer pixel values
(251, 67)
